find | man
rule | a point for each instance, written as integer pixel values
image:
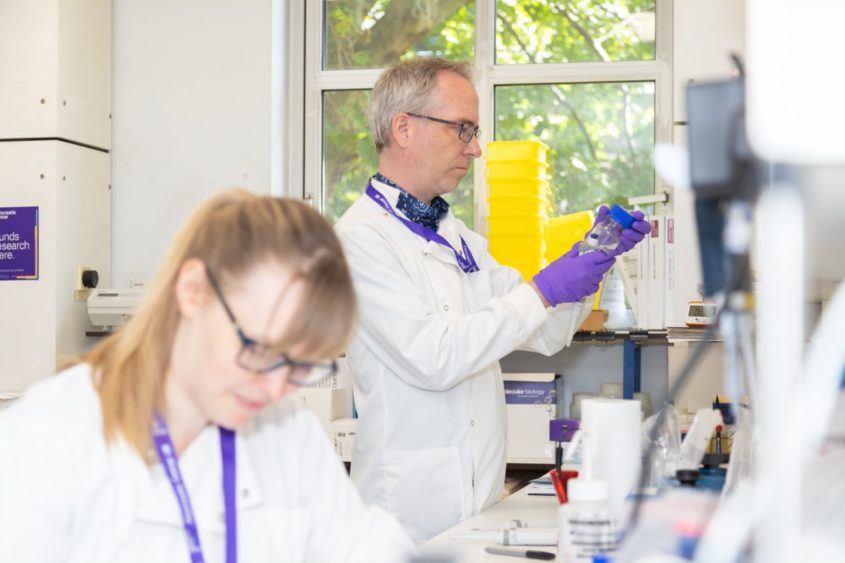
(437, 311)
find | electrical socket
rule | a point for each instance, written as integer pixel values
(78, 285)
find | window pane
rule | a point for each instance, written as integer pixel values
(350, 159)
(601, 137)
(555, 31)
(378, 33)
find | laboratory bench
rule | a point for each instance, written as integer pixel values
(465, 542)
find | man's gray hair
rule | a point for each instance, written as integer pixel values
(407, 87)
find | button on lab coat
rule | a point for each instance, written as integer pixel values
(65, 496)
(430, 442)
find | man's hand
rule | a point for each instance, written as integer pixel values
(573, 276)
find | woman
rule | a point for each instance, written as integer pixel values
(168, 442)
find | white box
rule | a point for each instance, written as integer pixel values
(327, 404)
(343, 437)
(530, 403)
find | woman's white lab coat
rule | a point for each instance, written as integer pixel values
(65, 496)
(430, 442)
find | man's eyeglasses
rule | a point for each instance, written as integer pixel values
(258, 358)
(466, 131)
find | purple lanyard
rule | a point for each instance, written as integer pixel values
(167, 455)
(466, 260)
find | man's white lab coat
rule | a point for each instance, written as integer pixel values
(65, 496)
(430, 443)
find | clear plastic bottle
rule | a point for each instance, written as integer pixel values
(587, 524)
(605, 236)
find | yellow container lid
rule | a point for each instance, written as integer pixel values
(516, 150)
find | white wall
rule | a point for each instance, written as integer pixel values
(55, 84)
(195, 91)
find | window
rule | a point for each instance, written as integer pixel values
(588, 78)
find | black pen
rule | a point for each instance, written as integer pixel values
(527, 553)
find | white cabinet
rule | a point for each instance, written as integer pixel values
(55, 70)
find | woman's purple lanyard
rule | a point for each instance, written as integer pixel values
(167, 455)
(466, 260)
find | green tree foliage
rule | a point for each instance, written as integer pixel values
(601, 135)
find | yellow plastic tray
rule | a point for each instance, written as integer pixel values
(516, 225)
(518, 187)
(509, 169)
(523, 253)
(516, 150)
(504, 206)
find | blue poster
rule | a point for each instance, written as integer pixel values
(18, 243)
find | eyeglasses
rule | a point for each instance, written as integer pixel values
(259, 358)
(466, 131)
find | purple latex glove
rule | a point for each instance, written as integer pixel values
(573, 276)
(630, 236)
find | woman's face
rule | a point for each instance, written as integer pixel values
(262, 302)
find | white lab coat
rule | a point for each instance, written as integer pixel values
(430, 442)
(65, 496)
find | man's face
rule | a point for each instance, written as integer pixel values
(442, 159)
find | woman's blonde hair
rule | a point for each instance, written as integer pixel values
(230, 233)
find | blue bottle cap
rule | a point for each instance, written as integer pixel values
(621, 216)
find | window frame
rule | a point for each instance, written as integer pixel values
(308, 82)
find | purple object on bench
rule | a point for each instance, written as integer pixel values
(562, 429)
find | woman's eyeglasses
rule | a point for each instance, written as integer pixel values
(259, 358)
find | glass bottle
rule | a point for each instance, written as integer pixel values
(605, 236)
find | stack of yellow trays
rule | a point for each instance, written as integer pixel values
(519, 200)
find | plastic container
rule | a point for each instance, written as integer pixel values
(575, 405)
(587, 526)
(516, 150)
(519, 187)
(520, 205)
(611, 390)
(525, 253)
(562, 232)
(528, 168)
(605, 236)
(520, 225)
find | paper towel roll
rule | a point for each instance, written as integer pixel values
(612, 427)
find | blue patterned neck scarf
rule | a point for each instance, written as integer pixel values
(417, 211)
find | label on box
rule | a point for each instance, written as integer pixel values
(18, 243)
(529, 392)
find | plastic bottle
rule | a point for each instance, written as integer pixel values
(587, 524)
(605, 236)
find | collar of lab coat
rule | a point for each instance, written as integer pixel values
(448, 228)
(201, 468)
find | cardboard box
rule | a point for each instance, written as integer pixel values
(530, 403)
(594, 321)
